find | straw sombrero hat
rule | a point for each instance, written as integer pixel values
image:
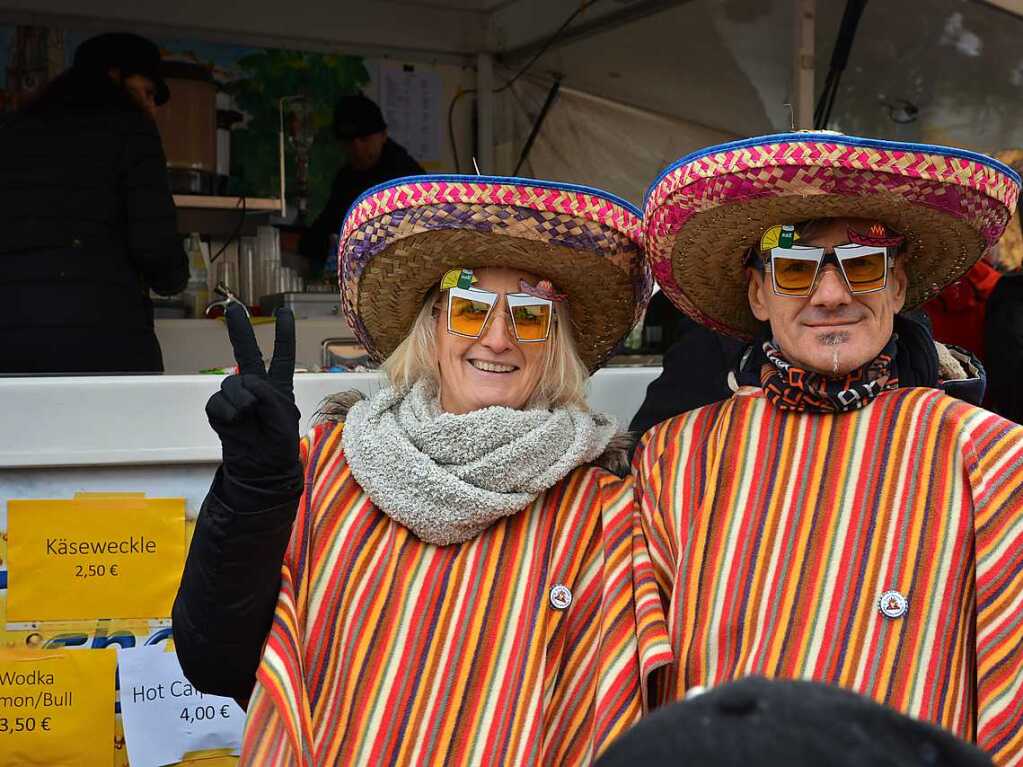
(1009, 256)
(399, 238)
(707, 209)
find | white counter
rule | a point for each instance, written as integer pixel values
(59, 436)
(122, 420)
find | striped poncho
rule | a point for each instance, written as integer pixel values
(388, 650)
(772, 536)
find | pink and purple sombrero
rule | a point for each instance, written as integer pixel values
(399, 238)
(704, 212)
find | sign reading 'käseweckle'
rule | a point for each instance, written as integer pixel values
(98, 557)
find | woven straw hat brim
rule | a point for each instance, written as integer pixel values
(395, 283)
(706, 210)
(709, 252)
(1009, 257)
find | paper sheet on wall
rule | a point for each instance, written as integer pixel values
(56, 707)
(165, 717)
(98, 556)
(410, 98)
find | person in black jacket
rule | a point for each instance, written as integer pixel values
(1003, 338)
(696, 367)
(87, 222)
(373, 158)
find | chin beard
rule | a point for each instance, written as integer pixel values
(833, 342)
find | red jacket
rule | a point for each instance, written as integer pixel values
(957, 314)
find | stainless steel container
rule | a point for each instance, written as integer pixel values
(306, 306)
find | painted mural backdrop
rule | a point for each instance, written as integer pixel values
(256, 78)
(264, 77)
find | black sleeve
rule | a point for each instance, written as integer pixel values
(228, 592)
(152, 225)
(695, 374)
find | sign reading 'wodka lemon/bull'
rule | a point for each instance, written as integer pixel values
(56, 707)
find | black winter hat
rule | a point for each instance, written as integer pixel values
(756, 722)
(357, 116)
(132, 54)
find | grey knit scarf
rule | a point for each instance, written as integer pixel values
(449, 477)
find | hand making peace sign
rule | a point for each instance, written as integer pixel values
(254, 412)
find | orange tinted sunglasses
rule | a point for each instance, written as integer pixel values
(470, 311)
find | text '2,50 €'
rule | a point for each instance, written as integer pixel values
(95, 571)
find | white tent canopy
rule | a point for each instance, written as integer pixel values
(642, 81)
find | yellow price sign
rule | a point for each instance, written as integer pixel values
(57, 708)
(98, 557)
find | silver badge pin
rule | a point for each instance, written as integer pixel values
(892, 604)
(561, 597)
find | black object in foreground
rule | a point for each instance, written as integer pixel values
(757, 722)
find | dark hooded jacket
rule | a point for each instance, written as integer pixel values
(1003, 339)
(87, 228)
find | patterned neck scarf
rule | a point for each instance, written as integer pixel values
(791, 388)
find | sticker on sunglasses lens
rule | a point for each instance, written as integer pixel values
(778, 236)
(458, 278)
(877, 234)
(542, 289)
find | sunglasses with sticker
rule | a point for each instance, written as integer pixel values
(470, 311)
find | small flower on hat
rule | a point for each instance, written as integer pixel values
(542, 289)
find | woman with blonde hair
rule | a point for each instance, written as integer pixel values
(456, 584)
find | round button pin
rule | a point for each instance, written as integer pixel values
(561, 597)
(892, 604)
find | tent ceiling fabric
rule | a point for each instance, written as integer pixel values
(726, 65)
(447, 28)
(704, 61)
(581, 140)
(953, 75)
(934, 70)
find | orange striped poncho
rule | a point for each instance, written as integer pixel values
(772, 536)
(388, 650)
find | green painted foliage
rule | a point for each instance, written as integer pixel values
(269, 76)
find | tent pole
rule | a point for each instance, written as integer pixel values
(485, 113)
(551, 95)
(803, 64)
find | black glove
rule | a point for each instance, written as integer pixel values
(254, 412)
